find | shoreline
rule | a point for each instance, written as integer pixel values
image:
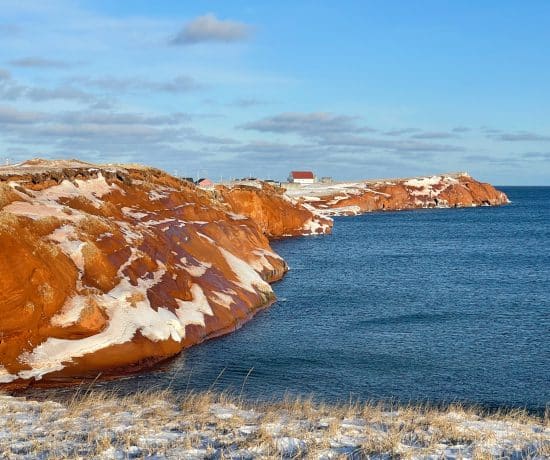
(62, 393)
(134, 265)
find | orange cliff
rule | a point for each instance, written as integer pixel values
(440, 191)
(276, 214)
(111, 269)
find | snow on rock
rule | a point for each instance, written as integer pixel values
(423, 182)
(196, 269)
(92, 190)
(129, 212)
(313, 227)
(248, 278)
(223, 298)
(352, 198)
(71, 311)
(110, 269)
(102, 273)
(5, 376)
(276, 213)
(193, 311)
(126, 317)
(69, 243)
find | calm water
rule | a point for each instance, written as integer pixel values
(437, 305)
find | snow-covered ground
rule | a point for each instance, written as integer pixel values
(342, 190)
(158, 426)
(352, 198)
(312, 192)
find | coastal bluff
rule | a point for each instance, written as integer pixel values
(109, 269)
(457, 190)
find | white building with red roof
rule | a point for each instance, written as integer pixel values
(301, 177)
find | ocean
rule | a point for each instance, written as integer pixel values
(437, 306)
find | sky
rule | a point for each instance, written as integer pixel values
(229, 88)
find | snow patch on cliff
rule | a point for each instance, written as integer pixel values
(249, 278)
(129, 312)
(197, 269)
(155, 195)
(427, 185)
(71, 311)
(262, 262)
(340, 211)
(69, 243)
(315, 227)
(40, 210)
(222, 298)
(235, 216)
(423, 182)
(91, 189)
(5, 376)
(193, 311)
(129, 212)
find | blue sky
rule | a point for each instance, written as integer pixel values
(350, 89)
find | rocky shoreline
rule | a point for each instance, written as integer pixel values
(124, 267)
(456, 190)
(110, 269)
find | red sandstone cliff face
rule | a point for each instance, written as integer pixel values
(276, 214)
(111, 269)
(443, 191)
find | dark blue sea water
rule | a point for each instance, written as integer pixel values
(429, 305)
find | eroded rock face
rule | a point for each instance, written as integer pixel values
(275, 213)
(445, 191)
(112, 269)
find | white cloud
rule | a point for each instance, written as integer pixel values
(433, 135)
(307, 124)
(209, 28)
(11, 115)
(178, 84)
(521, 136)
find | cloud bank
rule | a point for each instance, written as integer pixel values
(38, 62)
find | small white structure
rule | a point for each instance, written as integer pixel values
(301, 177)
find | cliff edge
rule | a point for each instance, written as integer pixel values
(110, 269)
(440, 191)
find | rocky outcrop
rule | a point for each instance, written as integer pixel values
(110, 269)
(276, 214)
(444, 191)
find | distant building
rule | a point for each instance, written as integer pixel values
(188, 179)
(204, 182)
(301, 177)
(326, 180)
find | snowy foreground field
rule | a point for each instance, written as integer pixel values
(159, 425)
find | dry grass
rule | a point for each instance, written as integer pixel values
(161, 422)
